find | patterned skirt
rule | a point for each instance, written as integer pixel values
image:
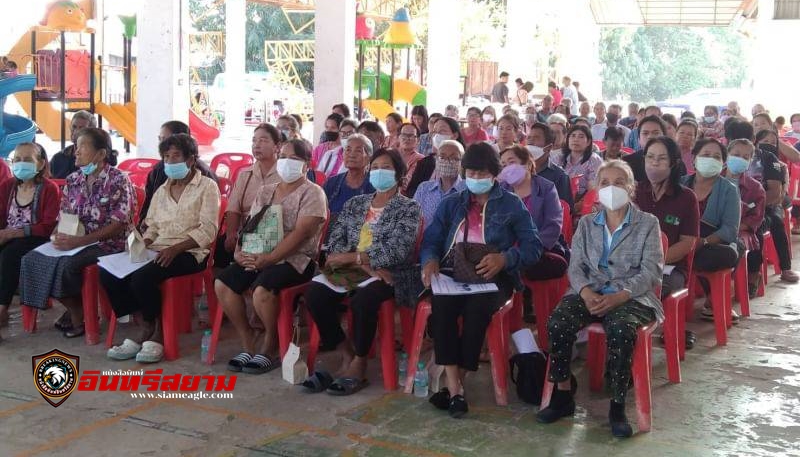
(42, 277)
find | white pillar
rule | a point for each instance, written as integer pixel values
(519, 35)
(334, 58)
(162, 80)
(443, 54)
(235, 24)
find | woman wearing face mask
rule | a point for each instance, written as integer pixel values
(473, 132)
(541, 199)
(182, 223)
(488, 118)
(613, 272)
(753, 197)
(304, 209)
(447, 181)
(720, 213)
(425, 145)
(372, 242)
(329, 139)
(103, 200)
(332, 162)
(774, 176)
(492, 216)
(28, 214)
(675, 206)
(762, 121)
(444, 129)
(577, 159)
(710, 125)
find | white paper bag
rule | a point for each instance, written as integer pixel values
(294, 367)
(137, 250)
(69, 224)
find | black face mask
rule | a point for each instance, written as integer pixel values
(330, 136)
(612, 117)
(768, 148)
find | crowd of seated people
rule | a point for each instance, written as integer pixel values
(394, 209)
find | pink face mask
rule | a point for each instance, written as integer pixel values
(512, 174)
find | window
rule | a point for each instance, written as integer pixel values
(787, 9)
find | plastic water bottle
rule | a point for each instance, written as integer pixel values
(202, 313)
(402, 369)
(205, 344)
(421, 381)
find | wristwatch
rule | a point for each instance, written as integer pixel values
(358, 257)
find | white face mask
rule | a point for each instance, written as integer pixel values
(290, 170)
(438, 139)
(487, 117)
(344, 143)
(536, 151)
(613, 197)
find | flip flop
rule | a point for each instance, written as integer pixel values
(151, 352)
(317, 382)
(125, 351)
(343, 387)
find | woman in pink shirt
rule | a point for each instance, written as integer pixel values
(473, 133)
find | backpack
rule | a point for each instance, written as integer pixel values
(529, 378)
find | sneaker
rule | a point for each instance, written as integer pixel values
(458, 406)
(562, 404)
(789, 276)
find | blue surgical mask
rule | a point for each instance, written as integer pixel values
(737, 165)
(709, 119)
(88, 168)
(24, 170)
(176, 170)
(382, 180)
(480, 186)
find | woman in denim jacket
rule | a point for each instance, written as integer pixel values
(497, 218)
(375, 233)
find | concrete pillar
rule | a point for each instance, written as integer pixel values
(334, 58)
(235, 46)
(163, 91)
(519, 39)
(443, 55)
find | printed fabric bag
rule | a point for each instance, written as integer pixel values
(263, 230)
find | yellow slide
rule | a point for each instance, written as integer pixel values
(121, 117)
(378, 108)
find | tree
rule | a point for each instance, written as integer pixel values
(656, 63)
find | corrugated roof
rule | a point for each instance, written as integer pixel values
(670, 12)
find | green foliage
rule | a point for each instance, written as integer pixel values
(656, 63)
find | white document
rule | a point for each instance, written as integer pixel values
(445, 285)
(668, 269)
(120, 264)
(321, 279)
(50, 251)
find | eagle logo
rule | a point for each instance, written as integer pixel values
(55, 375)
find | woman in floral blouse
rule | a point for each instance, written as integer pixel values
(103, 199)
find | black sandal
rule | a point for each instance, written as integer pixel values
(458, 406)
(74, 332)
(260, 364)
(64, 322)
(441, 399)
(343, 387)
(317, 382)
(691, 338)
(239, 361)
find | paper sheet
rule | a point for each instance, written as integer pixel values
(120, 264)
(668, 269)
(50, 251)
(321, 279)
(445, 285)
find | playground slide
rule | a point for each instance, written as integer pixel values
(121, 117)
(378, 108)
(404, 90)
(15, 129)
(202, 131)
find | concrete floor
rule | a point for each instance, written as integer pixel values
(742, 399)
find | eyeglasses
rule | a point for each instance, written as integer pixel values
(407, 136)
(344, 134)
(656, 159)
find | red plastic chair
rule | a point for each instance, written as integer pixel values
(787, 226)
(138, 179)
(721, 300)
(319, 178)
(566, 223)
(140, 196)
(573, 184)
(600, 144)
(497, 339)
(589, 200)
(626, 150)
(233, 162)
(60, 183)
(740, 284)
(177, 298)
(672, 323)
(225, 186)
(789, 139)
(138, 165)
(770, 255)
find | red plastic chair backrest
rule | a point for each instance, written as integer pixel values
(319, 178)
(789, 139)
(233, 162)
(138, 165)
(140, 196)
(566, 224)
(600, 144)
(138, 179)
(573, 183)
(626, 150)
(589, 199)
(225, 186)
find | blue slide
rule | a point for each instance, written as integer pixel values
(15, 129)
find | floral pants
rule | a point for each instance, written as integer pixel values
(620, 326)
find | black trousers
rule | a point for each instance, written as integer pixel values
(323, 304)
(10, 260)
(672, 282)
(140, 291)
(476, 313)
(773, 216)
(715, 257)
(549, 266)
(756, 257)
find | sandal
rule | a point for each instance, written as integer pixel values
(691, 338)
(239, 361)
(343, 387)
(125, 351)
(260, 364)
(64, 322)
(74, 332)
(317, 382)
(151, 352)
